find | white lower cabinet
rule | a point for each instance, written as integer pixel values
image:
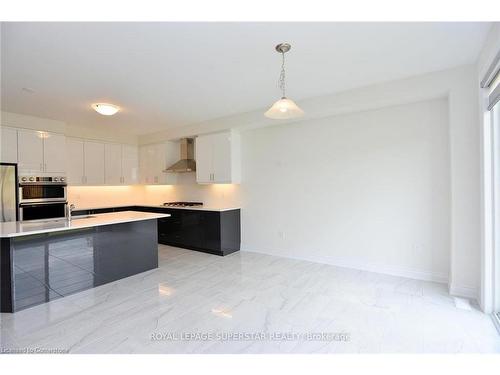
(218, 158)
(8, 145)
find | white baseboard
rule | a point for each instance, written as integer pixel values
(463, 291)
(377, 268)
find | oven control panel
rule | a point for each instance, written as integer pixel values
(42, 179)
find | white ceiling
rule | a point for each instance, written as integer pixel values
(172, 74)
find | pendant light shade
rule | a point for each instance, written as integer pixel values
(284, 108)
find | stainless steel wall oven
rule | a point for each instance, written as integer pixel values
(42, 197)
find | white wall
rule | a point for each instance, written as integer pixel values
(369, 190)
(104, 196)
(186, 189)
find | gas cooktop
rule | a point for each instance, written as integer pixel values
(182, 204)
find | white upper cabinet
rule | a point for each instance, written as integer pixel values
(75, 161)
(30, 151)
(204, 158)
(54, 151)
(40, 151)
(218, 158)
(94, 163)
(130, 165)
(154, 159)
(221, 158)
(143, 164)
(113, 164)
(8, 145)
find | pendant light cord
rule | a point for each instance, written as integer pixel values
(281, 82)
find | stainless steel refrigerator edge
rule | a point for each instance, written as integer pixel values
(8, 192)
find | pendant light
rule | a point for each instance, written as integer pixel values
(284, 108)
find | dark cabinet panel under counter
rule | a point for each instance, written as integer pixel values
(209, 231)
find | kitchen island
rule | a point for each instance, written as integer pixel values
(45, 260)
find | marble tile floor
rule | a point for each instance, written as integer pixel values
(253, 303)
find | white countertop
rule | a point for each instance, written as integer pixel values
(25, 228)
(199, 208)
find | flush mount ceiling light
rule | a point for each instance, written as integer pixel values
(105, 108)
(284, 108)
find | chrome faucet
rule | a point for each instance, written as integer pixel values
(71, 207)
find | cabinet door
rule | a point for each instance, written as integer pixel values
(54, 149)
(30, 150)
(94, 163)
(144, 165)
(130, 165)
(170, 229)
(8, 145)
(204, 156)
(221, 158)
(113, 163)
(75, 161)
(172, 154)
(211, 226)
(191, 228)
(158, 163)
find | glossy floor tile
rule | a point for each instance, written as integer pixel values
(252, 303)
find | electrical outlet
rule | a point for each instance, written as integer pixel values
(281, 234)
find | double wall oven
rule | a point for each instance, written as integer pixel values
(42, 197)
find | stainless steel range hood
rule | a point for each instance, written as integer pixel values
(187, 162)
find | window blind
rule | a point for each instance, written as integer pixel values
(491, 81)
(494, 96)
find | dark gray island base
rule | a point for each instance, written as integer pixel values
(42, 267)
